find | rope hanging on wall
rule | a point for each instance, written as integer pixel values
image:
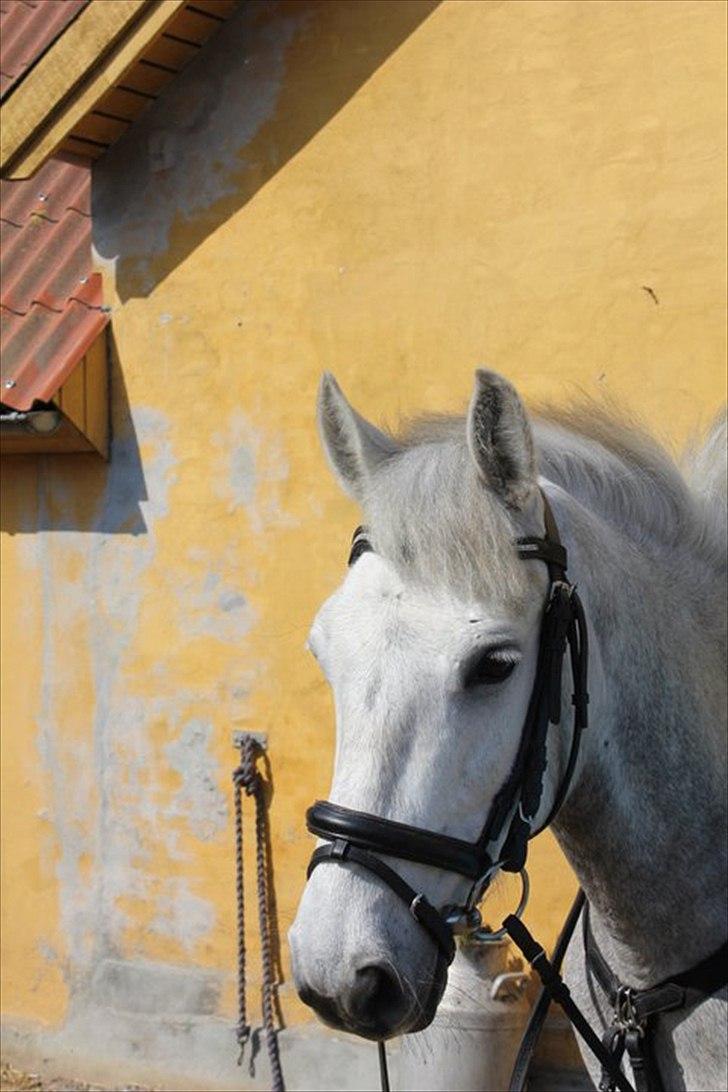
(247, 777)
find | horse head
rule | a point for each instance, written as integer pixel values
(430, 646)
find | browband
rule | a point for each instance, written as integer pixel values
(530, 548)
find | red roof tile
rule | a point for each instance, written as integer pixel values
(50, 298)
(27, 29)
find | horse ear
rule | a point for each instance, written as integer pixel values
(500, 439)
(353, 446)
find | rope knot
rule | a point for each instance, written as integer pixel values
(246, 779)
(242, 1034)
(246, 775)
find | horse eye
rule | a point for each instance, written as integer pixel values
(487, 670)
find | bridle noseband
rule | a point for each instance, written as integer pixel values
(356, 836)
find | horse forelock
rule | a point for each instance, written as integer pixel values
(430, 515)
(433, 517)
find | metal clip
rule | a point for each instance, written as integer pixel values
(261, 738)
(414, 905)
(625, 1013)
(466, 920)
(460, 920)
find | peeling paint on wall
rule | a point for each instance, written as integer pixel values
(208, 605)
(143, 986)
(199, 800)
(183, 916)
(249, 472)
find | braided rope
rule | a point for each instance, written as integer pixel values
(247, 777)
(242, 1030)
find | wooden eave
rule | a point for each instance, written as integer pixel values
(92, 83)
(77, 418)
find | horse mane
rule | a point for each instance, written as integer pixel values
(430, 495)
(610, 461)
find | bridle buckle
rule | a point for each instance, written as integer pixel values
(626, 1016)
(414, 905)
(462, 921)
(466, 921)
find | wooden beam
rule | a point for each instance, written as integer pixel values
(84, 397)
(80, 67)
(96, 390)
(65, 440)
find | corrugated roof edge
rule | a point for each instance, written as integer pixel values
(66, 337)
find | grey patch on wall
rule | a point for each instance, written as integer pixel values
(183, 916)
(145, 986)
(212, 608)
(200, 800)
(183, 1050)
(242, 474)
(137, 821)
(184, 153)
(89, 801)
(249, 472)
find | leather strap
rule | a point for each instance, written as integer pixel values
(680, 991)
(394, 839)
(540, 549)
(633, 1027)
(645, 1073)
(540, 1010)
(613, 1043)
(422, 910)
(559, 991)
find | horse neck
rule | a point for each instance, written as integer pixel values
(643, 825)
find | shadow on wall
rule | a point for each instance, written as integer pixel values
(273, 76)
(80, 492)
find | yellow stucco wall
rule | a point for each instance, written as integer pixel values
(395, 192)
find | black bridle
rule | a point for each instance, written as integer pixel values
(356, 836)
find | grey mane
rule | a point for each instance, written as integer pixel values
(429, 511)
(620, 471)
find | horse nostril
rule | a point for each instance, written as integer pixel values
(325, 1007)
(375, 998)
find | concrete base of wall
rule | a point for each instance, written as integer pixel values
(198, 1054)
(108, 1048)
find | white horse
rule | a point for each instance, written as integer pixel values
(430, 647)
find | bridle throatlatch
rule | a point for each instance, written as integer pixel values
(356, 836)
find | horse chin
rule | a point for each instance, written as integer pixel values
(425, 1013)
(426, 1016)
(419, 1017)
(377, 1031)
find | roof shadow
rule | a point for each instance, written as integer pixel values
(80, 492)
(270, 79)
